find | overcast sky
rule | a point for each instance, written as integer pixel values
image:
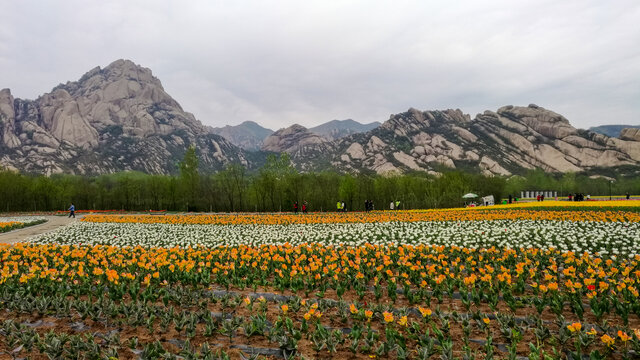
(308, 62)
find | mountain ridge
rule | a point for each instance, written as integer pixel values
(293, 138)
(247, 135)
(120, 118)
(112, 119)
(508, 141)
(250, 135)
(612, 130)
(336, 129)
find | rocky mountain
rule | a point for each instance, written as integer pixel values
(504, 142)
(112, 119)
(296, 140)
(247, 135)
(611, 130)
(630, 134)
(250, 135)
(120, 118)
(293, 139)
(336, 129)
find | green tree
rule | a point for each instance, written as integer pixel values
(514, 185)
(490, 185)
(348, 190)
(538, 179)
(233, 184)
(273, 180)
(386, 187)
(189, 177)
(567, 184)
(453, 185)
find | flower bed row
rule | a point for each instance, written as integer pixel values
(373, 217)
(579, 205)
(594, 237)
(12, 223)
(399, 301)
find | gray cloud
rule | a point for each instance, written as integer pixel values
(312, 61)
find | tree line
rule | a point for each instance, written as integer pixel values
(618, 183)
(274, 187)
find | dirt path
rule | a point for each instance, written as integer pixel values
(53, 222)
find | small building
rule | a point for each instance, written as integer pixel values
(488, 200)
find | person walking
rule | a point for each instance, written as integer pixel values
(304, 207)
(339, 205)
(391, 205)
(628, 196)
(366, 206)
(72, 211)
(295, 207)
(343, 207)
(397, 204)
(510, 198)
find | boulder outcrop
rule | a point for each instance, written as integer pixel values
(120, 118)
(112, 119)
(630, 134)
(293, 139)
(505, 142)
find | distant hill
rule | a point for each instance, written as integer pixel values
(112, 119)
(336, 129)
(291, 139)
(119, 118)
(251, 136)
(505, 142)
(611, 130)
(248, 135)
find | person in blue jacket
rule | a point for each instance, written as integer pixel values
(72, 211)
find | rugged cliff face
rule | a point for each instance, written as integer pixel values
(503, 142)
(631, 134)
(112, 119)
(294, 140)
(120, 118)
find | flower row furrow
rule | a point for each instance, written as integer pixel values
(372, 217)
(594, 237)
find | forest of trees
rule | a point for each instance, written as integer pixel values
(275, 187)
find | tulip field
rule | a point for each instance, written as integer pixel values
(552, 280)
(12, 223)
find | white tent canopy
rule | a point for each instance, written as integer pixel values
(469, 196)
